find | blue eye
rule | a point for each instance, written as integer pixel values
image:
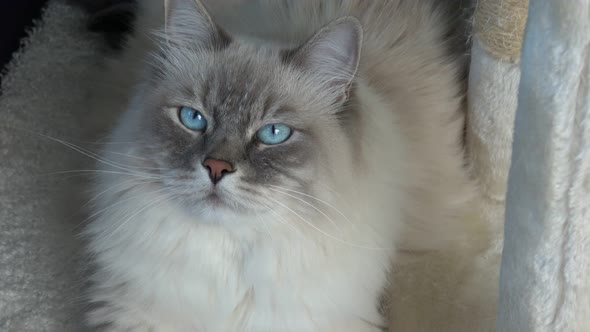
(193, 119)
(274, 133)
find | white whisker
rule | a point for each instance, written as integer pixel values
(282, 219)
(124, 183)
(124, 201)
(87, 153)
(327, 234)
(264, 223)
(128, 156)
(98, 171)
(101, 159)
(319, 200)
(150, 204)
(310, 205)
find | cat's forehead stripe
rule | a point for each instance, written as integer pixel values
(239, 90)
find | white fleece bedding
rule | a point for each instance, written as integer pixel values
(44, 90)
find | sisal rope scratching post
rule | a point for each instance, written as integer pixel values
(492, 102)
(499, 25)
(498, 35)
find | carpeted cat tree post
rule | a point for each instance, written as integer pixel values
(545, 276)
(498, 27)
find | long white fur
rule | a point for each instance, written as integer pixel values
(161, 270)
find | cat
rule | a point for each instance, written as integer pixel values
(279, 164)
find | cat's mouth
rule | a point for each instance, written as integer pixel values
(217, 199)
(225, 201)
(214, 198)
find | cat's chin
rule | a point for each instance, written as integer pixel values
(216, 207)
(216, 200)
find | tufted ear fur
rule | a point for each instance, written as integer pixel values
(333, 55)
(188, 22)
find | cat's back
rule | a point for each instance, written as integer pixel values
(384, 21)
(401, 38)
(408, 40)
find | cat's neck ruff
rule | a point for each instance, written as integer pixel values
(207, 274)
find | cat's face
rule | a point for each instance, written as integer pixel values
(241, 128)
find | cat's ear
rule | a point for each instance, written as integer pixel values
(332, 55)
(188, 22)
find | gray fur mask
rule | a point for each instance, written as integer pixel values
(227, 123)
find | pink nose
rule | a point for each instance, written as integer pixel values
(217, 169)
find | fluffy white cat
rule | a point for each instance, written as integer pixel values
(276, 162)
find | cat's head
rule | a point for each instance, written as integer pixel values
(243, 127)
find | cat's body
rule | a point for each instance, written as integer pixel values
(300, 236)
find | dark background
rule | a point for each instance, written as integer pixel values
(15, 17)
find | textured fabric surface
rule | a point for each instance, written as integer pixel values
(15, 17)
(493, 100)
(492, 103)
(545, 279)
(45, 91)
